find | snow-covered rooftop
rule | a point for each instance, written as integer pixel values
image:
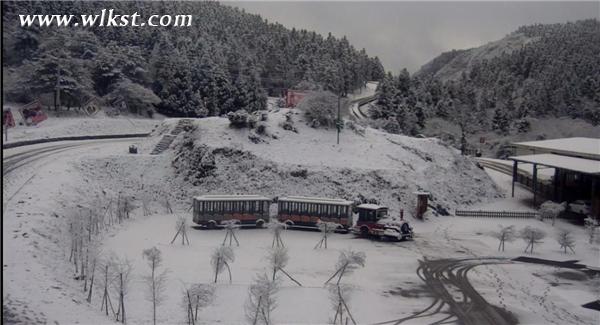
(586, 166)
(231, 198)
(371, 206)
(584, 147)
(320, 200)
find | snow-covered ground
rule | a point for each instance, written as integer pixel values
(78, 126)
(38, 286)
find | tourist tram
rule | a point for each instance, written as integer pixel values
(372, 220)
(211, 210)
(305, 212)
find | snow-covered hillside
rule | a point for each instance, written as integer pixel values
(215, 158)
(451, 65)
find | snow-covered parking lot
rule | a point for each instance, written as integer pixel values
(387, 288)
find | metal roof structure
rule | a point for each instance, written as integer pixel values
(576, 164)
(577, 147)
(370, 206)
(231, 198)
(318, 200)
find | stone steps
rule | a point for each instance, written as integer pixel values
(167, 139)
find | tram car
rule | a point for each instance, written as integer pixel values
(373, 221)
(211, 210)
(305, 212)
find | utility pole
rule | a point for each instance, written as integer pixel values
(57, 89)
(339, 121)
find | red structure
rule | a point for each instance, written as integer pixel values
(293, 97)
(8, 120)
(32, 113)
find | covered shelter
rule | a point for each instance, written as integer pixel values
(576, 164)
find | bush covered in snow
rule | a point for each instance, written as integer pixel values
(551, 210)
(320, 108)
(241, 119)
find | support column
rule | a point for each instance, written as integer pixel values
(595, 204)
(514, 176)
(534, 185)
(555, 183)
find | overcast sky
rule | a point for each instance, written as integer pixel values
(408, 34)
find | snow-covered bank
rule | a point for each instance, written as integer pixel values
(215, 158)
(79, 126)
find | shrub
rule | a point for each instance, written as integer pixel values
(241, 119)
(320, 108)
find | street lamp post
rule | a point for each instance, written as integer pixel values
(338, 122)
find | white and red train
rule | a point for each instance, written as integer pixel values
(211, 211)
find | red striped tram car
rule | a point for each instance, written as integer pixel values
(305, 212)
(211, 210)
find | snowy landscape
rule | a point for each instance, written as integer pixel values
(100, 211)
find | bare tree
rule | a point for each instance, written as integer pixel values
(347, 262)
(123, 269)
(504, 234)
(261, 300)
(220, 259)
(590, 227)
(156, 281)
(566, 240)
(146, 205)
(277, 227)
(339, 296)
(195, 297)
(231, 226)
(181, 226)
(91, 260)
(278, 259)
(105, 283)
(532, 236)
(168, 207)
(92, 273)
(551, 210)
(325, 228)
(124, 206)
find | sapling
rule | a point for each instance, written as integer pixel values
(123, 268)
(277, 227)
(180, 226)
(261, 300)
(146, 205)
(156, 281)
(590, 228)
(230, 227)
(278, 259)
(195, 297)
(325, 227)
(551, 210)
(347, 262)
(220, 259)
(566, 240)
(505, 234)
(339, 296)
(532, 236)
(168, 207)
(106, 280)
